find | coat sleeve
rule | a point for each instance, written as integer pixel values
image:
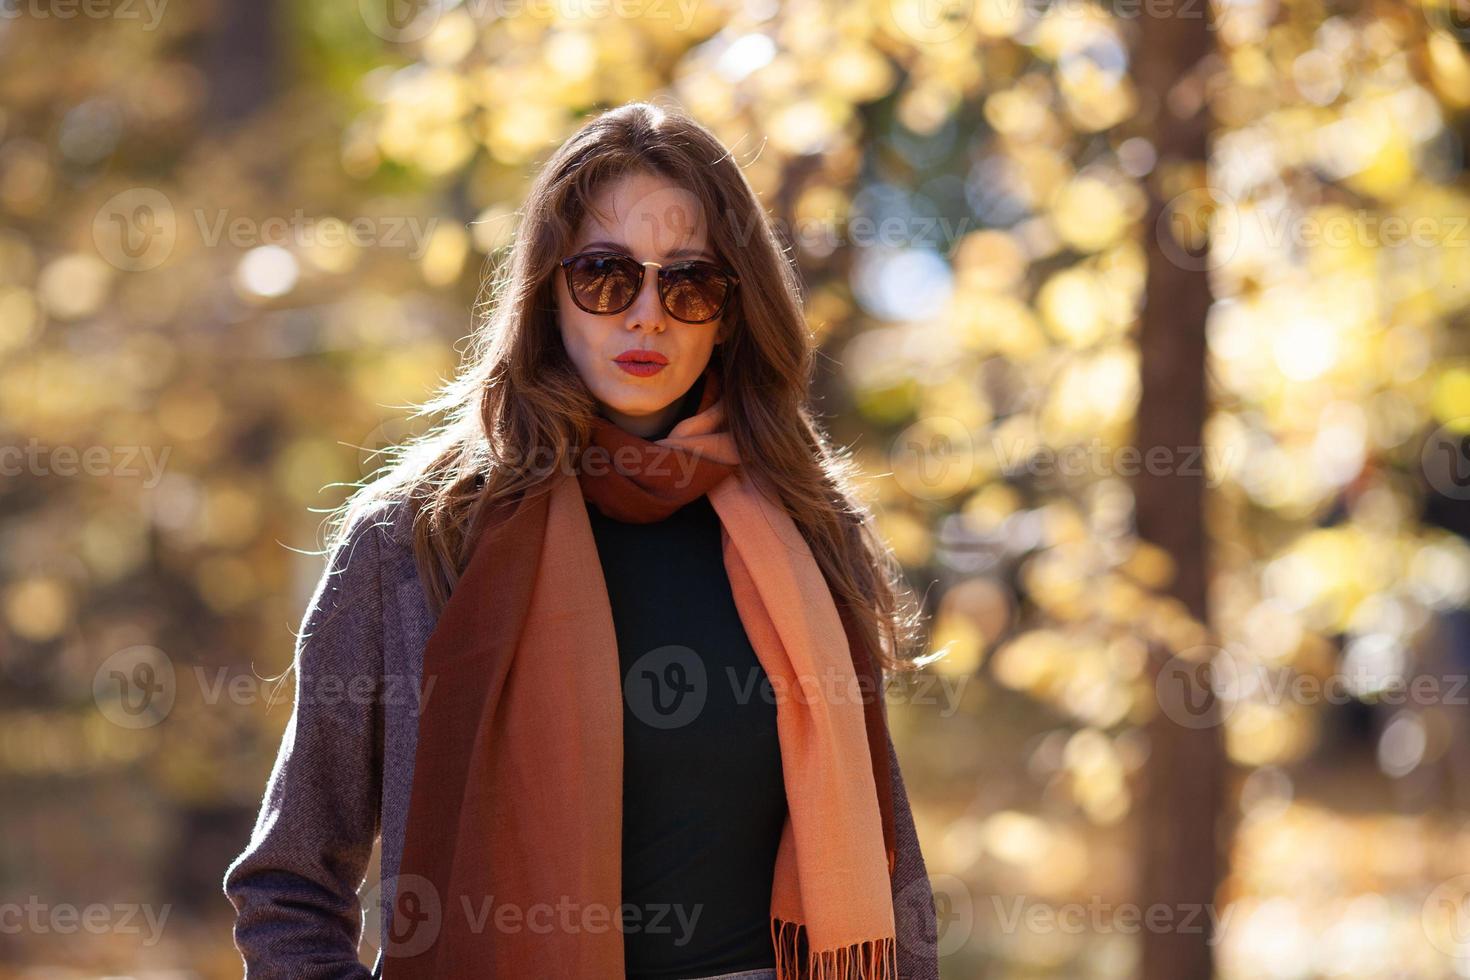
(913, 897)
(294, 887)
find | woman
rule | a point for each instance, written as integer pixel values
(616, 631)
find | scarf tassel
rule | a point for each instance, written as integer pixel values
(869, 959)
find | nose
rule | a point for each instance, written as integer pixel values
(647, 311)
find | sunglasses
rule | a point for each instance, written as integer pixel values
(606, 283)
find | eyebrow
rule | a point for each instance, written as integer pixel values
(678, 253)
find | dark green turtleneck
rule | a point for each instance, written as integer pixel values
(703, 797)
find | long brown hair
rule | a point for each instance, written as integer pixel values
(518, 395)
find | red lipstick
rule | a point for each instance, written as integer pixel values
(642, 363)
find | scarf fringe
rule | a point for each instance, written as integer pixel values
(869, 959)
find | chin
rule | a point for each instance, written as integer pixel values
(638, 406)
(636, 396)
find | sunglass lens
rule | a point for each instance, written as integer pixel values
(695, 293)
(602, 283)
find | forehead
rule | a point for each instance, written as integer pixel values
(650, 216)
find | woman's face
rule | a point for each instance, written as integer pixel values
(653, 220)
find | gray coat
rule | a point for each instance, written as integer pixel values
(344, 770)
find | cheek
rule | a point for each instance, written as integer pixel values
(573, 335)
(581, 332)
(698, 340)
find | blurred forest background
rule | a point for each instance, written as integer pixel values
(1043, 241)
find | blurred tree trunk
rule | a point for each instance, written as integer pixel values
(1180, 815)
(241, 60)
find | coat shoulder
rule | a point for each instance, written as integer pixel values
(388, 519)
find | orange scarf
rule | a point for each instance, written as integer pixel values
(511, 863)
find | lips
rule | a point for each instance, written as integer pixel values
(641, 363)
(641, 357)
